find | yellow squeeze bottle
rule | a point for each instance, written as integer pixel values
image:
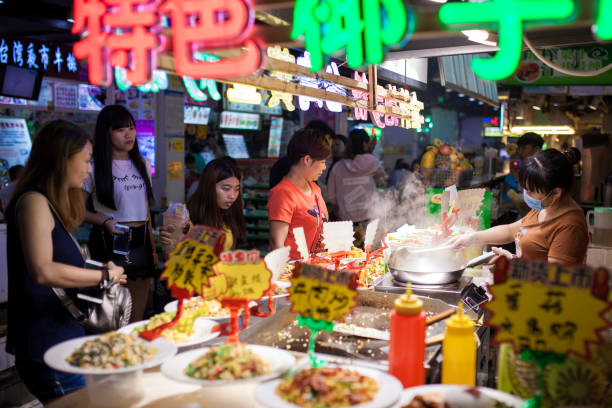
(459, 350)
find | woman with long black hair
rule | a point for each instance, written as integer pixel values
(121, 193)
(217, 203)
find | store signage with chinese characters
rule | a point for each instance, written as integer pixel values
(404, 103)
(331, 25)
(305, 101)
(239, 120)
(126, 34)
(51, 59)
(277, 97)
(535, 306)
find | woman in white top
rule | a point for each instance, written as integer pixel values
(121, 193)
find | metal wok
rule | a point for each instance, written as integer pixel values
(431, 267)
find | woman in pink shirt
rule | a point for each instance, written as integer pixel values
(297, 201)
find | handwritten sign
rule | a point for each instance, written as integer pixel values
(322, 294)
(244, 281)
(546, 307)
(190, 265)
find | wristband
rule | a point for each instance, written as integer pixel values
(105, 278)
(108, 219)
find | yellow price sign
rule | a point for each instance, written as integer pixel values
(545, 307)
(322, 294)
(243, 281)
(189, 266)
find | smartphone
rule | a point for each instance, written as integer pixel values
(121, 242)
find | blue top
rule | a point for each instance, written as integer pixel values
(37, 320)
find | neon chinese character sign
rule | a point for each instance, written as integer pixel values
(509, 15)
(603, 24)
(277, 96)
(125, 34)
(330, 25)
(304, 101)
(195, 90)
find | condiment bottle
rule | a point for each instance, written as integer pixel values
(407, 340)
(459, 350)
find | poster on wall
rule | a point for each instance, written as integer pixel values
(235, 146)
(196, 115)
(274, 140)
(91, 97)
(145, 136)
(15, 143)
(66, 96)
(140, 104)
(174, 114)
(238, 120)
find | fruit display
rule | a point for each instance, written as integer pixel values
(444, 156)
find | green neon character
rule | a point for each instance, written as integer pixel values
(330, 25)
(603, 24)
(509, 16)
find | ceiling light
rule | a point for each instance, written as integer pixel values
(70, 20)
(518, 117)
(460, 95)
(479, 36)
(438, 1)
(544, 130)
(480, 102)
(536, 107)
(471, 99)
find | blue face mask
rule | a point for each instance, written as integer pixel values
(533, 203)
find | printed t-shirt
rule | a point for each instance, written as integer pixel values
(564, 237)
(289, 204)
(129, 192)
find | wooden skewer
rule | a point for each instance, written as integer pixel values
(440, 316)
(437, 339)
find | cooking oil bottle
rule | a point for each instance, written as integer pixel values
(459, 350)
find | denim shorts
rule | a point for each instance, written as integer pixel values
(46, 383)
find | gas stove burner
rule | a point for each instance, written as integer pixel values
(417, 286)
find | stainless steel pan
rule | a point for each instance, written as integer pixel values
(431, 267)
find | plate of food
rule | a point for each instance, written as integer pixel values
(210, 309)
(331, 386)
(188, 331)
(456, 396)
(228, 364)
(109, 353)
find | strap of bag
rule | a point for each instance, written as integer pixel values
(59, 292)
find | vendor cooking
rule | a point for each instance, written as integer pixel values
(297, 201)
(555, 229)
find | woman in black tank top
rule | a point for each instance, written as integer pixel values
(46, 206)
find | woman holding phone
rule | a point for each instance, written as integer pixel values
(120, 192)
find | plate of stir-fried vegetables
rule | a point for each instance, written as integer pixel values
(109, 353)
(228, 364)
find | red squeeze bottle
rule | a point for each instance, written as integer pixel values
(407, 340)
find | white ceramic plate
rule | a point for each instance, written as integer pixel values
(280, 360)
(56, 357)
(202, 331)
(171, 308)
(409, 393)
(389, 389)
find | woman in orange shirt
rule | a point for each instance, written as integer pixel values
(297, 201)
(555, 229)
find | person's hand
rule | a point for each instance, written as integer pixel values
(461, 241)
(500, 252)
(109, 225)
(165, 234)
(116, 273)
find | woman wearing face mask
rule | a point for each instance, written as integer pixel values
(555, 229)
(296, 201)
(217, 203)
(121, 193)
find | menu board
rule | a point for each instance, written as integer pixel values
(91, 97)
(238, 120)
(235, 146)
(145, 136)
(274, 140)
(66, 96)
(15, 143)
(140, 104)
(196, 115)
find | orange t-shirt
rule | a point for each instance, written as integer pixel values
(289, 204)
(564, 237)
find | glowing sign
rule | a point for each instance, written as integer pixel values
(509, 15)
(196, 23)
(125, 34)
(195, 91)
(330, 25)
(304, 101)
(160, 81)
(603, 25)
(277, 97)
(244, 94)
